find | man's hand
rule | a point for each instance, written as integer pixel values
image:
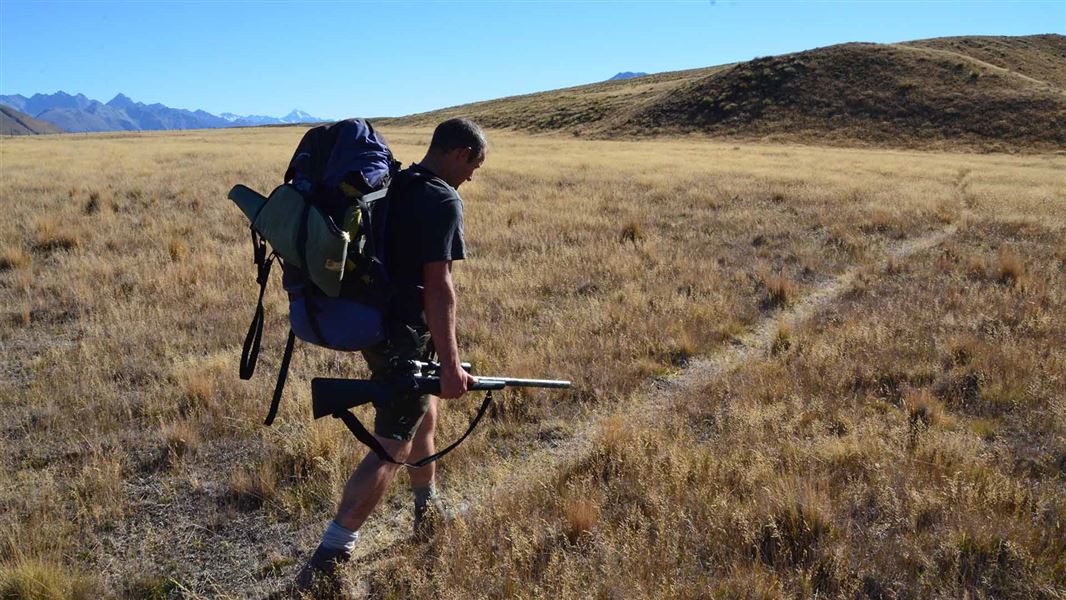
(454, 382)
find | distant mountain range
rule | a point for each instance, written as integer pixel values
(80, 114)
(626, 75)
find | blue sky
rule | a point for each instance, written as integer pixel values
(338, 59)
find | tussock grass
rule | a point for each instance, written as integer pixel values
(250, 487)
(51, 235)
(782, 339)
(178, 439)
(98, 489)
(1008, 268)
(582, 517)
(28, 579)
(779, 292)
(13, 259)
(794, 528)
(881, 221)
(601, 261)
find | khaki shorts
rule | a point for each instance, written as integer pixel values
(398, 416)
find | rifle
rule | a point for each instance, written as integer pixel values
(334, 397)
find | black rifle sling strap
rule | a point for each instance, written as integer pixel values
(473, 423)
(254, 338)
(369, 440)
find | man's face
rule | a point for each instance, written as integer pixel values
(463, 163)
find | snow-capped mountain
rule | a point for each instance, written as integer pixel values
(299, 116)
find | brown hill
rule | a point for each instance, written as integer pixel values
(578, 108)
(1041, 57)
(1008, 93)
(13, 122)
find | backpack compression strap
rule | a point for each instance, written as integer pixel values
(254, 338)
(372, 442)
(283, 374)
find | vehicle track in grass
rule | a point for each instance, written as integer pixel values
(392, 526)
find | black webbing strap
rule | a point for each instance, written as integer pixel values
(254, 338)
(282, 375)
(473, 423)
(372, 442)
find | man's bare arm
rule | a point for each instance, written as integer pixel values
(438, 301)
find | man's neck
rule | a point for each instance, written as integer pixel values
(430, 164)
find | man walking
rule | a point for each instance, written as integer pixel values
(424, 235)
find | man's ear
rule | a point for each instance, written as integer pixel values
(458, 154)
(466, 154)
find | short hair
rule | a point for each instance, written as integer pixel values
(458, 133)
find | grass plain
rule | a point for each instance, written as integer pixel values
(907, 441)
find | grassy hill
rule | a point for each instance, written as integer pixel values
(13, 122)
(1041, 57)
(988, 92)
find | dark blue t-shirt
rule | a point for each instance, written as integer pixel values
(425, 224)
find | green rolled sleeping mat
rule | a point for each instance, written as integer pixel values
(301, 234)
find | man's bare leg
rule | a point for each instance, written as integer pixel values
(368, 484)
(422, 446)
(361, 495)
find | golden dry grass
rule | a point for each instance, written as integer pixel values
(907, 443)
(133, 457)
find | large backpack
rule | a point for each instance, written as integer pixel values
(325, 224)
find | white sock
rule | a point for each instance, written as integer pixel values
(338, 539)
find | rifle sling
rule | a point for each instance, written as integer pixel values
(364, 436)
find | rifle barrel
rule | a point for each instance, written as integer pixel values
(515, 382)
